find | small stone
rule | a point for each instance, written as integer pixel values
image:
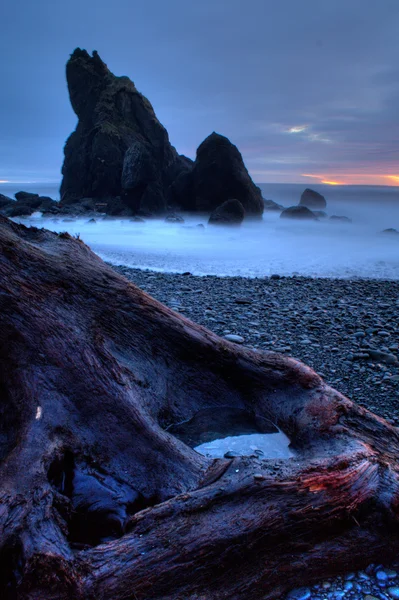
(237, 339)
(381, 575)
(394, 592)
(300, 594)
(243, 301)
(231, 454)
(259, 476)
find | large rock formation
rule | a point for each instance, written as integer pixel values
(120, 154)
(119, 147)
(219, 174)
(312, 199)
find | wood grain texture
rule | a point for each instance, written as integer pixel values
(98, 501)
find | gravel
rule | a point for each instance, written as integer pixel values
(346, 330)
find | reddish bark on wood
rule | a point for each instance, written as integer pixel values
(98, 501)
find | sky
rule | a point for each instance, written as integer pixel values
(307, 89)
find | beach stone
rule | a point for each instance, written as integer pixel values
(243, 301)
(300, 594)
(394, 592)
(385, 357)
(237, 339)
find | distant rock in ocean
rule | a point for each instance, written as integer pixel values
(298, 212)
(230, 212)
(272, 205)
(340, 219)
(218, 175)
(5, 201)
(25, 204)
(120, 155)
(390, 231)
(312, 199)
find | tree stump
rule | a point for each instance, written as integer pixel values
(98, 500)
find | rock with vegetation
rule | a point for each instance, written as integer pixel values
(119, 148)
(312, 199)
(230, 212)
(218, 175)
(298, 212)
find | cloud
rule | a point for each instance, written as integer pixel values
(298, 86)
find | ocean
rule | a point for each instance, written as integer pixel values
(256, 249)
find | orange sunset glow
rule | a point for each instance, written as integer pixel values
(355, 179)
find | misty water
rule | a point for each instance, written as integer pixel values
(256, 249)
(225, 431)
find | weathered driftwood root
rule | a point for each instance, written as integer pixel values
(98, 501)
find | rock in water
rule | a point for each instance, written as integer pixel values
(25, 196)
(219, 174)
(119, 147)
(298, 212)
(312, 199)
(272, 205)
(5, 201)
(230, 212)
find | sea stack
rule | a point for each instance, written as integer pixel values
(119, 159)
(219, 174)
(119, 148)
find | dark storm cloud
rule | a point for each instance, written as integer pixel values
(250, 69)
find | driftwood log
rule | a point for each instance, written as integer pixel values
(98, 501)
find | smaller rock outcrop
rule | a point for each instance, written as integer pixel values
(312, 199)
(5, 200)
(230, 212)
(172, 218)
(298, 212)
(390, 231)
(26, 196)
(218, 175)
(272, 205)
(26, 204)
